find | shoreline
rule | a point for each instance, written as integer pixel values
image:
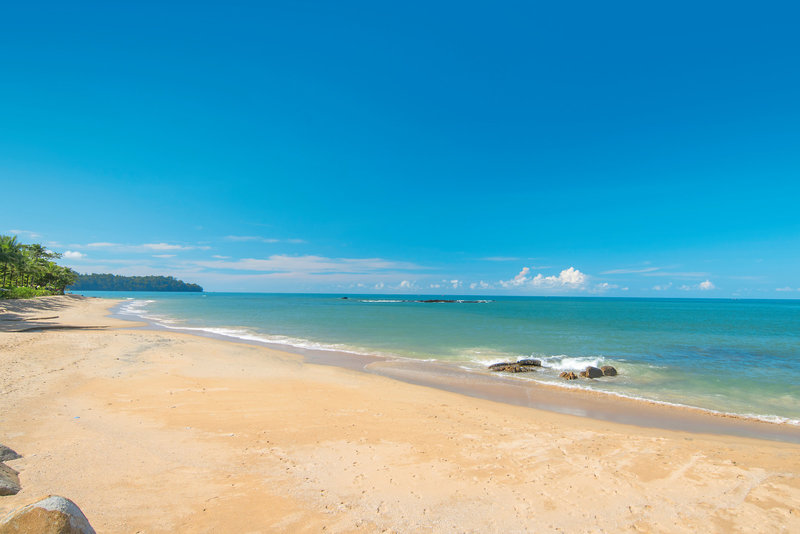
(529, 393)
(160, 431)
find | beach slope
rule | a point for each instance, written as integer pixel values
(157, 431)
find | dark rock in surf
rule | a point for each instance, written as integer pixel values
(591, 372)
(568, 375)
(510, 368)
(530, 362)
(501, 365)
(608, 370)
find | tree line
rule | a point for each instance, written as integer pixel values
(27, 270)
(114, 282)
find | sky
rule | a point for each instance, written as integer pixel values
(633, 149)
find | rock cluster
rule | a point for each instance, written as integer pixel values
(50, 515)
(521, 366)
(528, 364)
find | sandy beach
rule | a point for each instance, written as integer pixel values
(153, 431)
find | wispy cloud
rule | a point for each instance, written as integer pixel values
(26, 233)
(311, 264)
(163, 255)
(662, 287)
(144, 247)
(260, 239)
(632, 271)
(678, 274)
(501, 258)
(787, 288)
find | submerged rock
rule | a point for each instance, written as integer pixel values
(51, 515)
(568, 375)
(591, 372)
(608, 370)
(7, 454)
(9, 481)
(531, 362)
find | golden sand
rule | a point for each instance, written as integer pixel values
(152, 431)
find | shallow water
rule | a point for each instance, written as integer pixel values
(731, 356)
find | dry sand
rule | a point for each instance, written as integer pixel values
(151, 431)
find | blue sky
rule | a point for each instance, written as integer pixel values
(583, 148)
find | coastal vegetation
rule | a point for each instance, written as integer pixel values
(28, 270)
(115, 282)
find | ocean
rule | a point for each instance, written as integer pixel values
(732, 356)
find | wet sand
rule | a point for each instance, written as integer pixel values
(157, 431)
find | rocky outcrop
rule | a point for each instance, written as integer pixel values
(608, 370)
(568, 375)
(510, 368)
(530, 362)
(51, 515)
(591, 372)
(7, 454)
(9, 481)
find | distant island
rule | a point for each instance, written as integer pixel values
(115, 282)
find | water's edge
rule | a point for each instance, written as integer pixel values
(508, 390)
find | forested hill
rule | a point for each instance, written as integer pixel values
(113, 282)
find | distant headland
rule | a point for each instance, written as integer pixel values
(115, 282)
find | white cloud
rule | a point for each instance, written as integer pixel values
(479, 285)
(101, 244)
(663, 287)
(570, 278)
(405, 284)
(787, 288)
(221, 257)
(604, 286)
(73, 255)
(702, 286)
(379, 285)
(706, 286)
(455, 283)
(163, 255)
(435, 286)
(501, 258)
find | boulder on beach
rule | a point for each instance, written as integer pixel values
(510, 367)
(591, 372)
(608, 370)
(9, 481)
(7, 454)
(50, 515)
(530, 362)
(568, 375)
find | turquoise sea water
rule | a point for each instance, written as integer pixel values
(732, 356)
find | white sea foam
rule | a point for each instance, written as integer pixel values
(563, 362)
